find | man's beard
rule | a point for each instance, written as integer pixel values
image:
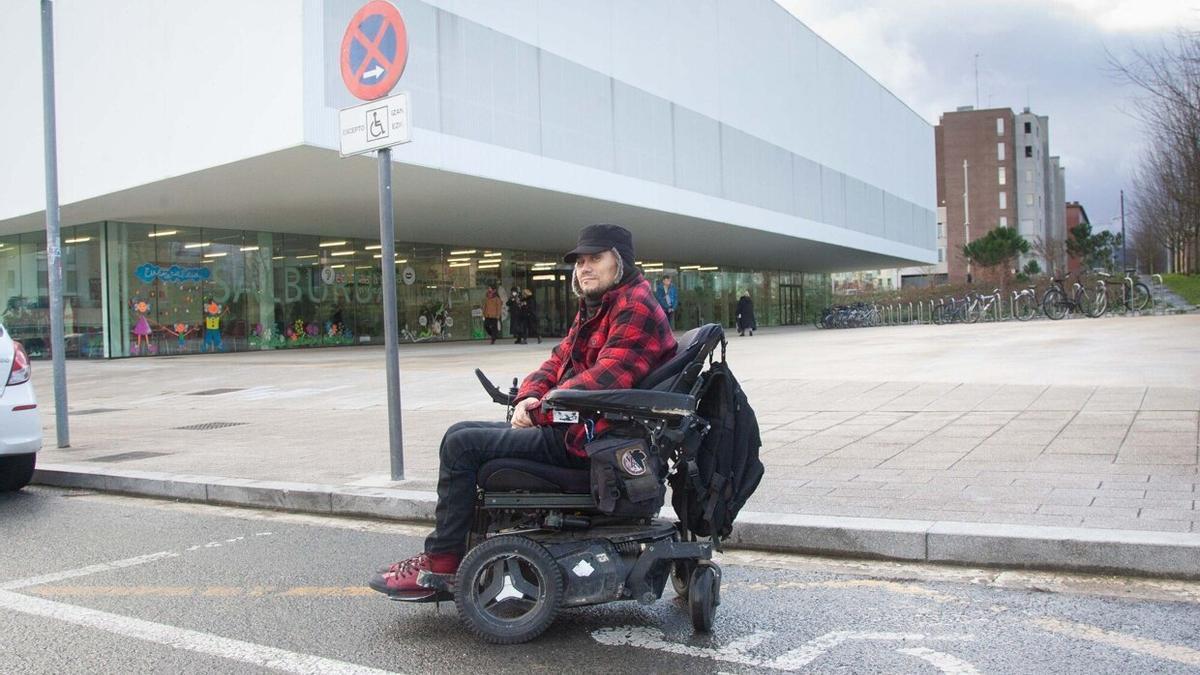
(597, 294)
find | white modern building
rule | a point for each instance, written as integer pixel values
(199, 166)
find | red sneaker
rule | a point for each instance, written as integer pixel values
(420, 575)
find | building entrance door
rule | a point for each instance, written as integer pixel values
(556, 305)
(791, 304)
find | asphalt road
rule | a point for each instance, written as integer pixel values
(100, 583)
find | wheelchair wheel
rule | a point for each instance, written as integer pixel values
(704, 596)
(509, 590)
(681, 577)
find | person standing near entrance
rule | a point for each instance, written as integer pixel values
(668, 297)
(491, 313)
(745, 315)
(531, 316)
(516, 315)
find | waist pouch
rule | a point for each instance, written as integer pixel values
(627, 479)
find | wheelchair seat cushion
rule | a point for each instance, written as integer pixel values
(522, 475)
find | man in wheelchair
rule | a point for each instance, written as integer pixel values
(619, 336)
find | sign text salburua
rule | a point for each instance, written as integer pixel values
(372, 59)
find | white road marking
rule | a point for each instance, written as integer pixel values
(1133, 643)
(181, 638)
(951, 665)
(736, 650)
(652, 638)
(748, 642)
(809, 651)
(85, 571)
(114, 565)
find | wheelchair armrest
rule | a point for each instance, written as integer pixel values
(632, 402)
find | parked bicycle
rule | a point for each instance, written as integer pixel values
(858, 315)
(1057, 303)
(1024, 303)
(953, 311)
(1134, 295)
(979, 306)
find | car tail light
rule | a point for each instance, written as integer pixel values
(20, 367)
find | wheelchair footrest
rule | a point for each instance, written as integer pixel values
(429, 595)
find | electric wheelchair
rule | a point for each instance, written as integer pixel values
(540, 539)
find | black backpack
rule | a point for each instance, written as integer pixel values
(721, 469)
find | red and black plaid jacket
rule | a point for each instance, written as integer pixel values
(621, 343)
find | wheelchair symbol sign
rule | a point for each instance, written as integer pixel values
(377, 123)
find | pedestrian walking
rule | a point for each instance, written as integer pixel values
(491, 313)
(745, 315)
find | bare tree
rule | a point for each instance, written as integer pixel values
(1167, 185)
(1054, 252)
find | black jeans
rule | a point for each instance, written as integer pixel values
(466, 447)
(492, 328)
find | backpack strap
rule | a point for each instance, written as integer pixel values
(606, 488)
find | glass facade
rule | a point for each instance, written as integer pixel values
(135, 289)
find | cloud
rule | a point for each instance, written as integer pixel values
(1050, 55)
(1135, 16)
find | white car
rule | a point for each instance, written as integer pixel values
(20, 428)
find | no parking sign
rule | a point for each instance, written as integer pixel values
(374, 50)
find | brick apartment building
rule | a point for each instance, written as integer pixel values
(994, 170)
(975, 168)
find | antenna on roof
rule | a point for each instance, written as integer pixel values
(977, 80)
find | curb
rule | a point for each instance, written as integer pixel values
(1163, 554)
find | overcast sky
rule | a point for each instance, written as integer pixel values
(1045, 54)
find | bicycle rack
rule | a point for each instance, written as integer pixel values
(1157, 281)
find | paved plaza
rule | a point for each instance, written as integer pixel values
(1090, 423)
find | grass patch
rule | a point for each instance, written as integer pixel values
(1186, 286)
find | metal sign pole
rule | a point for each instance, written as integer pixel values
(391, 342)
(53, 244)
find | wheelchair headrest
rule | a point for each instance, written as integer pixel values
(679, 373)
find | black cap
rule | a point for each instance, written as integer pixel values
(602, 237)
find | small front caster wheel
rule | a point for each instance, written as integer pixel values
(704, 596)
(681, 576)
(509, 590)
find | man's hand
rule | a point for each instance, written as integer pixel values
(520, 418)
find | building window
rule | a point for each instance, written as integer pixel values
(1003, 221)
(1029, 199)
(1028, 175)
(1029, 151)
(1003, 176)
(941, 255)
(1000, 151)
(999, 126)
(1004, 200)
(1029, 127)
(941, 230)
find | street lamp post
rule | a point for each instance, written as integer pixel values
(967, 213)
(1123, 263)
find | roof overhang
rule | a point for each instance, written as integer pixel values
(310, 190)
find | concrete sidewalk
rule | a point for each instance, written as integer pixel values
(1059, 444)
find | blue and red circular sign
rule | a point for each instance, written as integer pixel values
(374, 50)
